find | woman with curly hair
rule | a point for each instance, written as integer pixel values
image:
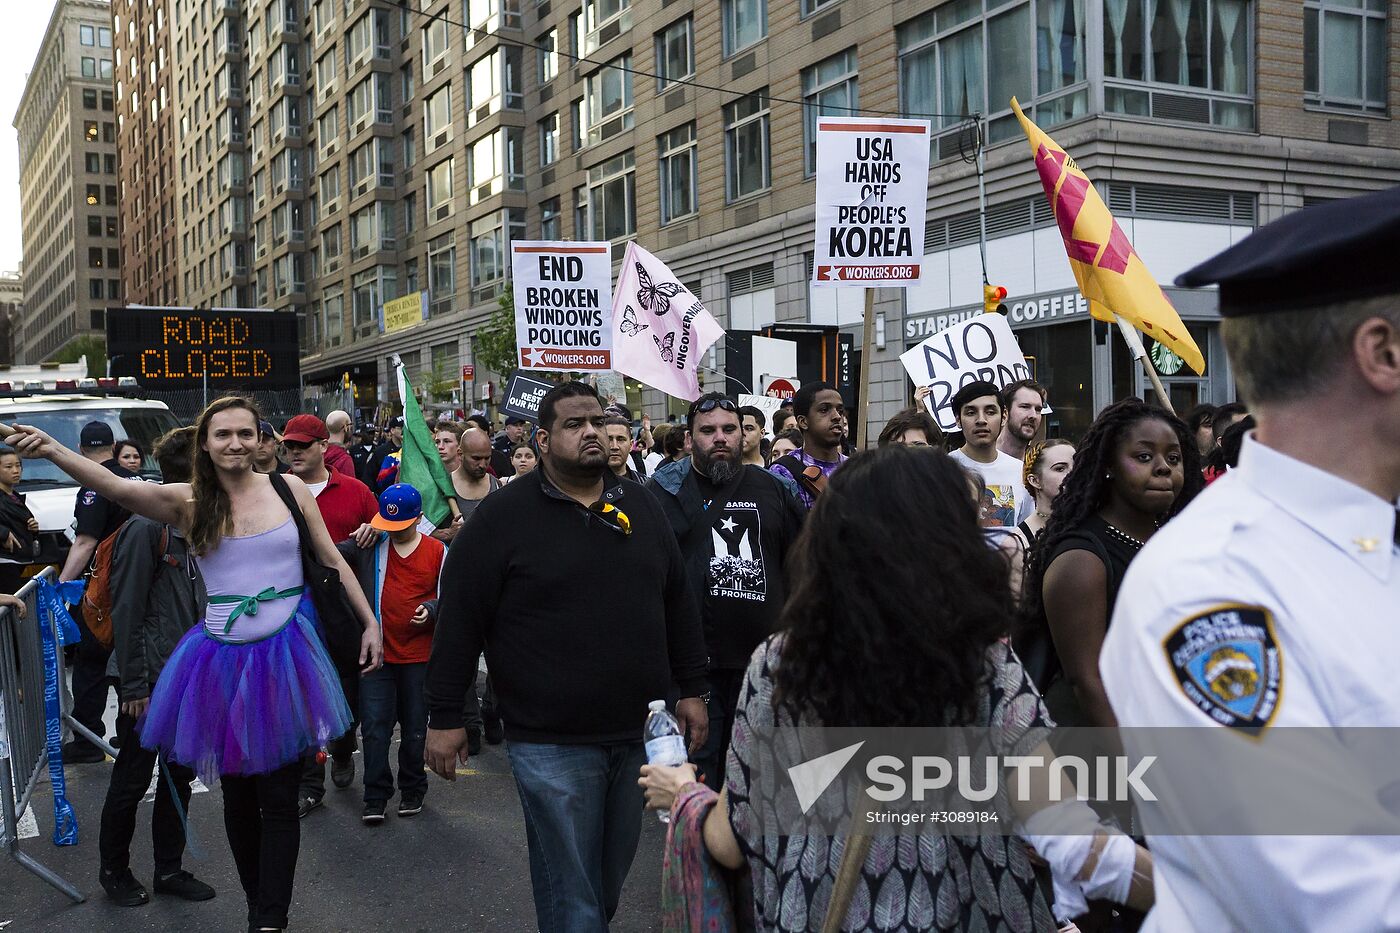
(871, 638)
(1135, 468)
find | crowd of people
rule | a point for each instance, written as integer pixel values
(995, 577)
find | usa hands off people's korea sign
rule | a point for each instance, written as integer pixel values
(872, 200)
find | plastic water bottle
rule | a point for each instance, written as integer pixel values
(665, 743)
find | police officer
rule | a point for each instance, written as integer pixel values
(1274, 599)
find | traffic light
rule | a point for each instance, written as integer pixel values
(992, 296)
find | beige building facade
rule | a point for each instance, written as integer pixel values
(68, 183)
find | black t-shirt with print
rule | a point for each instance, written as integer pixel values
(746, 583)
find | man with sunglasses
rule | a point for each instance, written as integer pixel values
(734, 523)
(526, 580)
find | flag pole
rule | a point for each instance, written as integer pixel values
(1139, 352)
(866, 347)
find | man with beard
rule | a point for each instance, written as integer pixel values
(542, 618)
(1024, 403)
(735, 523)
(821, 417)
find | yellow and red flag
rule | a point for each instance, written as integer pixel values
(1109, 271)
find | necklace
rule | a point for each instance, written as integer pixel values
(1123, 536)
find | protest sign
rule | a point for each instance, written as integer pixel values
(768, 404)
(611, 386)
(872, 200)
(523, 395)
(563, 305)
(983, 348)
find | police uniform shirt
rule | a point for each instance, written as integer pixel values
(96, 515)
(1287, 579)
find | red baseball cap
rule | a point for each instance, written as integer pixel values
(303, 429)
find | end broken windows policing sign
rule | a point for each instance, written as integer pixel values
(872, 201)
(563, 305)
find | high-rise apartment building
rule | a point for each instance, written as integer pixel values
(146, 151)
(68, 182)
(334, 154)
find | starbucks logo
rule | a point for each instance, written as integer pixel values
(1167, 362)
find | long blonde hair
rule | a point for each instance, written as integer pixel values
(213, 511)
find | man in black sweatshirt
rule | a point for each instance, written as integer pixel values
(735, 524)
(524, 581)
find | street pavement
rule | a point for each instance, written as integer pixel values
(459, 865)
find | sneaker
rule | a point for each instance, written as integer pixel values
(185, 886)
(306, 805)
(343, 771)
(83, 752)
(473, 741)
(374, 813)
(495, 730)
(410, 804)
(122, 888)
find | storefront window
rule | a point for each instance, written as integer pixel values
(1061, 357)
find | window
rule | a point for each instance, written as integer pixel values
(410, 276)
(602, 21)
(92, 162)
(744, 22)
(410, 213)
(675, 53)
(333, 316)
(330, 186)
(611, 196)
(493, 82)
(366, 292)
(581, 212)
(549, 139)
(435, 42)
(828, 90)
(90, 131)
(89, 67)
(485, 16)
(437, 119)
(440, 190)
(1344, 54)
(489, 239)
(550, 228)
(676, 151)
(94, 258)
(86, 35)
(90, 99)
(608, 97)
(325, 73)
(94, 225)
(746, 145)
(104, 37)
(94, 288)
(330, 243)
(442, 274)
(547, 54)
(362, 163)
(364, 231)
(576, 124)
(328, 127)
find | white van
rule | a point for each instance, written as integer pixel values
(49, 492)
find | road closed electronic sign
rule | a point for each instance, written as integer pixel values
(872, 200)
(178, 348)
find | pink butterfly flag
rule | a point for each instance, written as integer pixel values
(660, 329)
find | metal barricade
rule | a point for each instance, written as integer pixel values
(23, 752)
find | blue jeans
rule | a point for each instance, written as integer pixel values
(394, 693)
(583, 816)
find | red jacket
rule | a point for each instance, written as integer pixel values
(345, 504)
(338, 458)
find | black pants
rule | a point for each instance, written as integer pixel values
(724, 701)
(260, 817)
(313, 775)
(131, 775)
(90, 684)
(11, 577)
(476, 707)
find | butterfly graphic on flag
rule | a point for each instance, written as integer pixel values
(629, 325)
(655, 298)
(668, 353)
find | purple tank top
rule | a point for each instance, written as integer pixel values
(266, 563)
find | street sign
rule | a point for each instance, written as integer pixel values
(179, 348)
(872, 201)
(468, 373)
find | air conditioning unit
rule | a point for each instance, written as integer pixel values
(360, 125)
(262, 250)
(331, 206)
(361, 59)
(331, 148)
(443, 211)
(278, 187)
(361, 188)
(278, 239)
(483, 192)
(438, 66)
(483, 112)
(360, 252)
(278, 135)
(441, 139)
(261, 202)
(331, 265)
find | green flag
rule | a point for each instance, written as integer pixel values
(419, 463)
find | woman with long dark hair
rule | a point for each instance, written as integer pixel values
(896, 618)
(1136, 467)
(248, 692)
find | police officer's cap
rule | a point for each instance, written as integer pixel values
(1340, 251)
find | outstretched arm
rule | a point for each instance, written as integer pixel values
(165, 503)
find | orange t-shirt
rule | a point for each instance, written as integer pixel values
(408, 583)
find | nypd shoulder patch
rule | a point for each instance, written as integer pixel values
(89, 497)
(1228, 663)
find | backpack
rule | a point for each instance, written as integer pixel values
(97, 598)
(809, 478)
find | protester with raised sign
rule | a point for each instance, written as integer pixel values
(573, 674)
(1024, 404)
(1136, 467)
(980, 415)
(821, 416)
(735, 523)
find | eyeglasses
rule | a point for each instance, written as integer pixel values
(710, 404)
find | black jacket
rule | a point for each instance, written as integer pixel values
(157, 596)
(14, 520)
(582, 623)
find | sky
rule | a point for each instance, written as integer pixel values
(24, 26)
